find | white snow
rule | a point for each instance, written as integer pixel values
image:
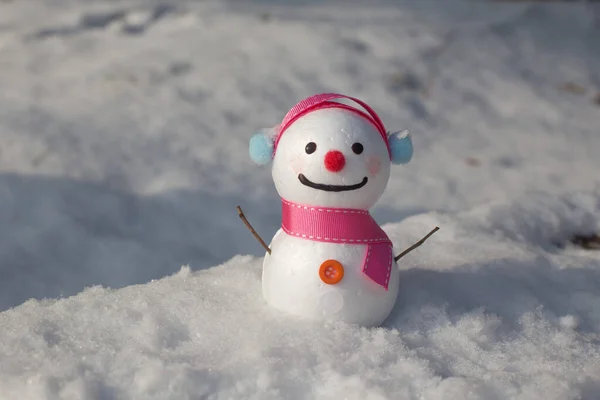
(123, 152)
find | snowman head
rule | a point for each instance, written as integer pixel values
(329, 154)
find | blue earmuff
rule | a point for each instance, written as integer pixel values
(261, 148)
(401, 147)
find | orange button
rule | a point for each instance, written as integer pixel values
(331, 272)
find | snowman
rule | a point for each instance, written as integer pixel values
(331, 163)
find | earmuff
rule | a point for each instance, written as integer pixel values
(264, 143)
(401, 147)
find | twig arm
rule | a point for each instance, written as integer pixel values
(256, 235)
(414, 246)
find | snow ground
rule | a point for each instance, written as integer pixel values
(123, 153)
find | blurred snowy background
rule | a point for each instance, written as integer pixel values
(123, 153)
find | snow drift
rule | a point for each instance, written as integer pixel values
(482, 313)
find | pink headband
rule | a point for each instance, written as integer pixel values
(321, 101)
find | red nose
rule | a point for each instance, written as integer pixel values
(334, 161)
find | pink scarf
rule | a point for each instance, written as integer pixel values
(343, 225)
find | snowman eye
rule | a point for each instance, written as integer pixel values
(357, 148)
(310, 148)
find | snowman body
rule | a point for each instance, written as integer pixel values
(330, 159)
(291, 282)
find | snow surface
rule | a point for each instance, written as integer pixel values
(123, 152)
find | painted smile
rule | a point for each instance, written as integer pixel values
(331, 188)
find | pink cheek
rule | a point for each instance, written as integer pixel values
(374, 165)
(297, 164)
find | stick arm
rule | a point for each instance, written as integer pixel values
(251, 229)
(414, 246)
